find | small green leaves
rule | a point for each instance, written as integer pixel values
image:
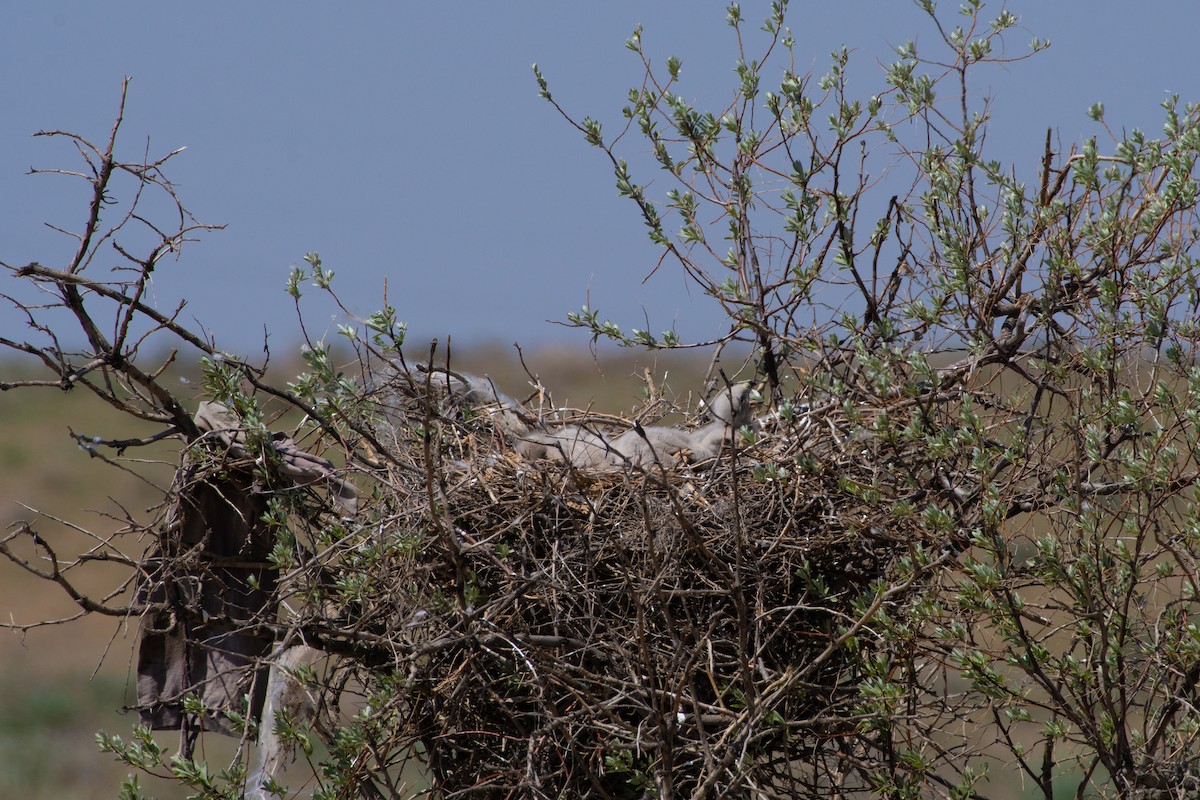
(590, 318)
(979, 49)
(634, 42)
(295, 277)
(591, 132)
(131, 790)
(774, 22)
(143, 752)
(625, 187)
(322, 278)
(1084, 167)
(386, 330)
(1005, 20)
(585, 317)
(748, 74)
(543, 87)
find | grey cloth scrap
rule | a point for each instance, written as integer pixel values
(209, 585)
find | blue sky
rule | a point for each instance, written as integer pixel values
(406, 142)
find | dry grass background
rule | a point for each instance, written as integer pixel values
(61, 683)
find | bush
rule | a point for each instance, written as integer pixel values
(962, 538)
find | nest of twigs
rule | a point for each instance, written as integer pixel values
(534, 628)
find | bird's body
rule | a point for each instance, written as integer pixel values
(577, 445)
(641, 446)
(732, 408)
(481, 393)
(654, 445)
(571, 444)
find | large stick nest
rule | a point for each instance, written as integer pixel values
(532, 627)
